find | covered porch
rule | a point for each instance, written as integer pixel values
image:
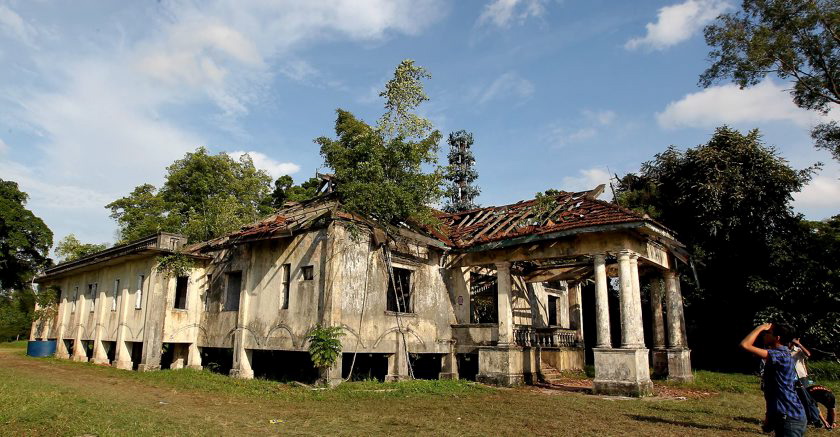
(635, 256)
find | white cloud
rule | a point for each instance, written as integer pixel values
(275, 169)
(677, 23)
(16, 27)
(589, 124)
(3, 147)
(823, 192)
(502, 13)
(713, 106)
(507, 85)
(586, 179)
(101, 112)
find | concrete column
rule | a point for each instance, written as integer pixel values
(631, 320)
(656, 312)
(398, 361)
(33, 328)
(194, 357)
(602, 305)
(576, 310)
(503, 281)
(155, 290)
(242, 357)
(60, 347)
(674, 303)
(79, 353)
(563, 309)
(100, 355)
(449, 364)
(179, 356)
(122, 356)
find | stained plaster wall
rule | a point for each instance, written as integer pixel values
(267, 324)
(127, 272)
(361, 279)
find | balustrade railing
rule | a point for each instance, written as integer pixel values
(545, 337)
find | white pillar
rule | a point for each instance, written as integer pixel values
(602, 305)
(504, 305)
(100, 356)
(563, 308)
(194, 357)
(658, 322)
(60, 347)
(576, 310)
(674, 303)
(631, 320)
(79, 353)
(122, 356)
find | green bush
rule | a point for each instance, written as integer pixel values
(824, 370)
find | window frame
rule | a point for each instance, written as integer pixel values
(186, 291)
(116, 294)
(93, 290)
(138, 293)
(412, 271)
(225, 304)
(303, 272)
(287, 286)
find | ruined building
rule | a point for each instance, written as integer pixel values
(493, 294)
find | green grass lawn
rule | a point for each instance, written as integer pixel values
(45, 396)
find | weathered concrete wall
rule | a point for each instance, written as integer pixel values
(564, 359)
(127, 272)
(362, 275)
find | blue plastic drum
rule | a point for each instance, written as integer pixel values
(40, 348)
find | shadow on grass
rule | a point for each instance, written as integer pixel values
(687, 424)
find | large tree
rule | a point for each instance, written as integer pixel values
(204, 196)
(792, 39)
(285, 190)
(730, 201)
(460, 174)
(25, 239)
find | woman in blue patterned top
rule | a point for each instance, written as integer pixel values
(785, 413)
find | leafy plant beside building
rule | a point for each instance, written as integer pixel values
(325, 345)
(460, 174)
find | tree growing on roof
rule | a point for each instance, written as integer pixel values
(460, 191)
(791, 39)
(70, 248)
(204, 196)
(379, 171)
(285, 190)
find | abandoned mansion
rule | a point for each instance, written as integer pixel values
(496, 294)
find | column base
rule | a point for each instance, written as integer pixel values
(397, 378)
(506, 366)
(241, 373)
(195, 367)
(448, 375)
(148, 368)
(101, 361)
(79, 358)
(62, 355)
(622, 372)
(679, 365)
(123, 365)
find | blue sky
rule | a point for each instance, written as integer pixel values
(99, 97)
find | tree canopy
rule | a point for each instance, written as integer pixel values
(379, 171)
(729, 201)
(285, 190)
(25, 239)
(204, 196)
(70, 248)
(792, 39)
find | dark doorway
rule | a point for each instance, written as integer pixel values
(217, 359)
(283, 366)
(367, 366)
(136, 349)
(552, 310)
(110, 350)
(425, 366)
(167, 355)
(467, 366)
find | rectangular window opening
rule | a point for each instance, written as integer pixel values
(75, 299)
(484, 298)
(116, 294)
(232, 291)
(207, 293)
(138, 295)
(92, 296)
(181, 292)
(399, 291)
(287, 275)
(308, 273)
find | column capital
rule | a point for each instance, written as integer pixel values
(502, 265)
(669, 274)
(625, 254)
(600, 258)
